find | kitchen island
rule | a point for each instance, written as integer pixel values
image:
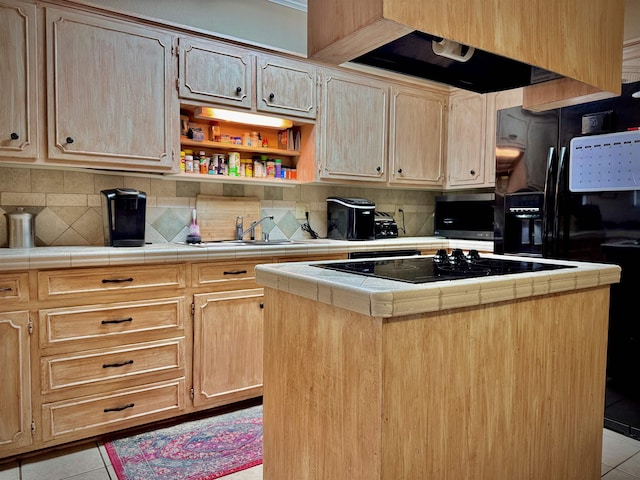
(493, 378)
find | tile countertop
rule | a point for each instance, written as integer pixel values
(13, 259)
(387, 298)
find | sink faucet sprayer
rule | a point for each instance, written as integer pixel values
(252, 229)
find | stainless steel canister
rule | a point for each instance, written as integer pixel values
(20, 232)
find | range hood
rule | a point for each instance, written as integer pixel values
(488, 45)
(433, 58)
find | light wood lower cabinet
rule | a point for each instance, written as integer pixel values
(106, 364)
(189, 337)
(227, 346)
(95, 414)
(15, 378)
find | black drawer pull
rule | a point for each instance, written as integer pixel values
(119, 409)
(261, 304)
(121, 320)
(117, 280)
(121, 364)
(235, 272)
(14, 136)
(69, 140)
(6, 289)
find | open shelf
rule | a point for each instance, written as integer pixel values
(202, 177)
(188, 142)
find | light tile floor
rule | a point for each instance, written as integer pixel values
(620, 461)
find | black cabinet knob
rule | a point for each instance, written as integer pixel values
(261, 305)
(378, 169)
(238, 90)
(272, 96)
(399, 170)
(69, 140)
(14, 136)
(472, 172)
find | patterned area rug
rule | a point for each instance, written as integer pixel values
(196, 450)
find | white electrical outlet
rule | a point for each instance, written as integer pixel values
(301, 210)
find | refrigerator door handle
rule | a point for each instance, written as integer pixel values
(550, 194)
(558, 204)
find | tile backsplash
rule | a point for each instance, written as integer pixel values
(67, 205)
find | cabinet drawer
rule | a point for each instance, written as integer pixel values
(14, 287)
(106, 413)
(117, 321)
(90, 367)
(229, 275)
(85, 281)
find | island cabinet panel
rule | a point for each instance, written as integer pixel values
(504, 390)
(110, 92)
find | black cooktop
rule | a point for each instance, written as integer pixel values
(440, 267)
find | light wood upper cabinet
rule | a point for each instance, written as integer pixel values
(353, 127)
(416, 137)
(110, 93)
(217, 73)
(534, 32)
(468, 165)
(286, 87)
(15, 375)
(18, 80)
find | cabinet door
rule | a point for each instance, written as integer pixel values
(466, 141)
(354, 122)
(110, 98)
(18, 94)
(227, 350)
(416, 137)
(286, 87)
(214, 72)
(15, 377)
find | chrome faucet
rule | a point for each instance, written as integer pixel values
(252, 229)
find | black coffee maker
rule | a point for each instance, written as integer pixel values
(123, 215)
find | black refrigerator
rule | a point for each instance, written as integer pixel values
(538, 214)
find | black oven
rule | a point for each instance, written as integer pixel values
(465, 216)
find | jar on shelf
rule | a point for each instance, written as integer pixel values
(215, 132)
(271, 169)
(204, 163)
(234, 164)
(278, 168)
(188, 163)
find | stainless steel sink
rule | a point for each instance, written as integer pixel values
(259, 242)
